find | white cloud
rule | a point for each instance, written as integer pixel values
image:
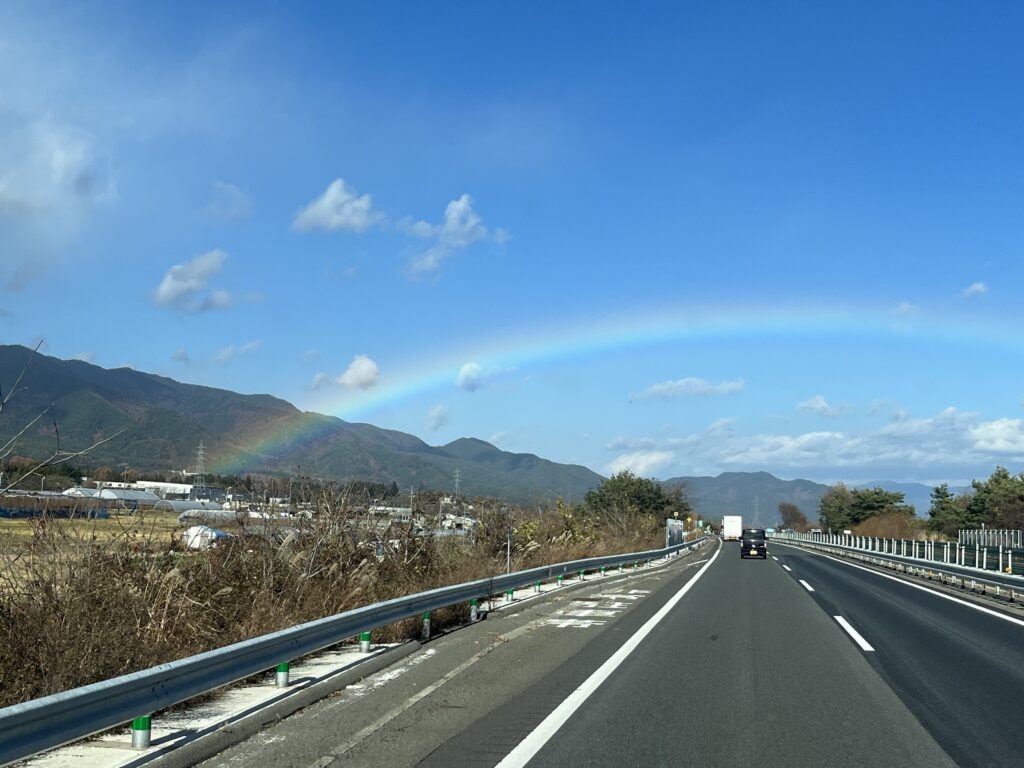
(498, 438)
(362, 373)
(906, 309)
(51, 179)
(470, 378)
(999, 436)
(428, 261)
(819, 405)
(228, 202)
(184, 286)
(85, 357)
(230, 352)
(319, 380)
(952, 441)
(462, 226)
(340, 207)
(974, 290)
(181, 356)
(688, 387)
(437, 417)
(643, 463)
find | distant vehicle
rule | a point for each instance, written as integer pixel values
(753, 544)
(732, 527)
(816, 530)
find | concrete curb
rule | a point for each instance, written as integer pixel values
(236, 731)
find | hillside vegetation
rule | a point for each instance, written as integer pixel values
(165, 420)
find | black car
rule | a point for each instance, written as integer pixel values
(752, 543)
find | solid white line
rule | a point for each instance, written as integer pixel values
(807, 586)
(786, 567)
(534, 741)
(921, 587)
(857, 637)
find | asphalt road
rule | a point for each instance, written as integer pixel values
(959, 670)
(1015, 581)
(749, 665)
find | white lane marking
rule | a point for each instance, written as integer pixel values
(857, 637)
(807, 586)
(786, 567)
(578, 623)
(531, 745)
(422, 694)
(775, 558)
(951, 598)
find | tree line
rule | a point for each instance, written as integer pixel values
(996, 502)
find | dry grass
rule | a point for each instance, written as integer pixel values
(84, 600)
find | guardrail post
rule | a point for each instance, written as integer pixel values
(984, 559)
(1000, 558)
(364, 642)
(142, 732)
(426, 626)
(281, 675)
(474, 610)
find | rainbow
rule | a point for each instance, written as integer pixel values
(543, 345)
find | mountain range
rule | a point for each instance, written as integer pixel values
(757, 495)
(165, 420)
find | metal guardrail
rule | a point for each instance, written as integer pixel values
(926, 570)
(41, 724)
(1007, 562)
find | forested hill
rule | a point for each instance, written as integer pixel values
(165, 420)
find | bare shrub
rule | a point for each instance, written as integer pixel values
(76, 608)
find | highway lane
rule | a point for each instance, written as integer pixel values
(1013, 581)
(747, 668)
(958, 669)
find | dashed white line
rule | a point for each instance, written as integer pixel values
(857, 637)
(786, 567)
(775, 558)
(943, 595)
(807, 586)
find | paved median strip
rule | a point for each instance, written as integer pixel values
(857, 637)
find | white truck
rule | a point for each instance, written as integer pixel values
(732, 527)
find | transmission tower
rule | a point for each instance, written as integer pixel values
(200, 483)
(458, 483)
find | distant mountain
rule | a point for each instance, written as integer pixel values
(756, 495)
(165, 420)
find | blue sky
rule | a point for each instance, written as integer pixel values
(679, 238)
